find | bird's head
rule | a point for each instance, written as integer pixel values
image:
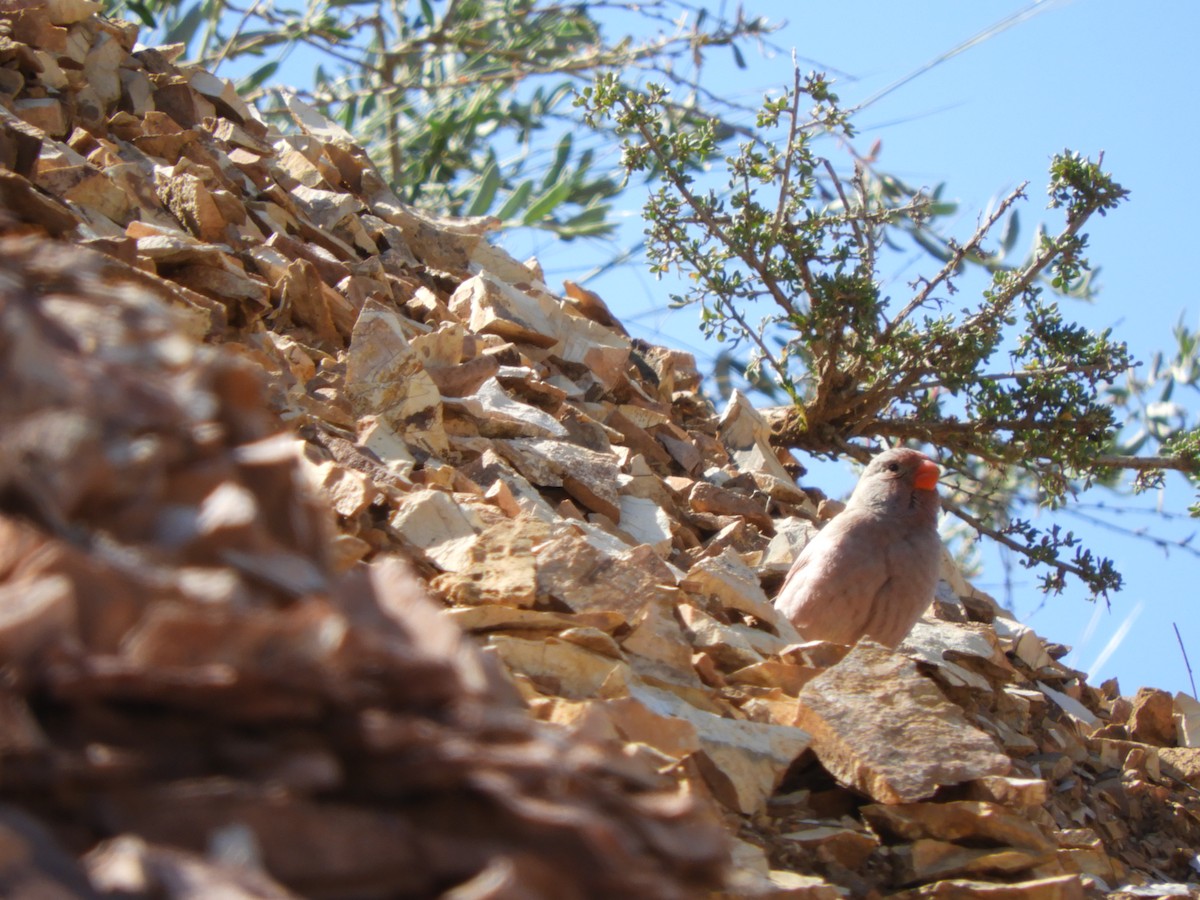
(898, 481)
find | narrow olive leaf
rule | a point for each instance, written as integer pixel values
(1008, 237)
(516, 201)
(257, 77)
(349, 114)
(561, 154)
(546, 203)
(592, 222)
(489, 183)
(183, 30)
(252, 43)
(930, 246)
(142, 12)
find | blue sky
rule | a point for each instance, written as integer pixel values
(1092, 75)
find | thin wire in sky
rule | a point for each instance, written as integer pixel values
(1021, 15)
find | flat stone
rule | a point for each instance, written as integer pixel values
(1187, 720)
(884, 729)
(646, 522)
(386, 378)
(603, 351)
(929, 860)
(432, 521)
(1022, 793)
(588, 579)
(1024, 643)
(491, 306)
(791, 534)
(1182, 763)
(499, 415)
(349, 491)
(960, 821)
(659, 651)
(1152, 718)
(591, 478)
(729, 646)
(497, 567)
(491, 470)
(734, 585)
(562, 668)
(745, 761)
(747, 437)
(1058, 887)
(709, 498)
(941, 644)
(847, 847)
(1069, 705)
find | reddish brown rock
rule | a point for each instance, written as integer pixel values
(883, 729)
(1151, 720)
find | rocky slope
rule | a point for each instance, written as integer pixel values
(342, 556)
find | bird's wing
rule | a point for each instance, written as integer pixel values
(843, 558)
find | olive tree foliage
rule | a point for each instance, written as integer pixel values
(1020, 403)
(465, 105)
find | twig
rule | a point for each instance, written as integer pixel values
(791, 146)
(864, 201)
(960, 254)
(712, 224)
(750, 333)
(220, 58)
(1186, 663)
(1148, 463)
(1005, 540)
(1068, 369)
(1140, 534)
(837, 184)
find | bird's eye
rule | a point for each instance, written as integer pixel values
(893, 467)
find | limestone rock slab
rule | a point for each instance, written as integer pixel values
(881, 727)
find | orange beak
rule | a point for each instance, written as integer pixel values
(927, 476)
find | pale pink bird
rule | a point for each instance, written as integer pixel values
(872, 570)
